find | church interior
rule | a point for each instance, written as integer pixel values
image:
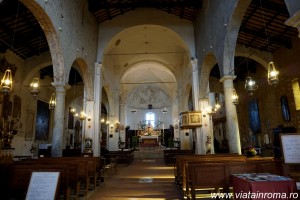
(106, 88)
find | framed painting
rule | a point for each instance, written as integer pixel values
(254, 119)
(285, 108)
(42, 121)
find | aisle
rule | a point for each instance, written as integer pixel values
(144, 179)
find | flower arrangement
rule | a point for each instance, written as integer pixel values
(250, 151)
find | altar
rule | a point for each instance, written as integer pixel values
(149, 140)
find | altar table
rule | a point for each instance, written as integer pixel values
(262, 186)
(149, 140)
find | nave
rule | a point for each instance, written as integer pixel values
(146, 178)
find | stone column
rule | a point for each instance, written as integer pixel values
(232, 128)
(195, 88)
(97, 109)
(58, 119)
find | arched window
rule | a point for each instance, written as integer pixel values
(150, 118)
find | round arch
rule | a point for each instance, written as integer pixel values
(52, 38)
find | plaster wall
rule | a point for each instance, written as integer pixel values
(292, 6)
(109, 29)
(210, 29)
(268, 97)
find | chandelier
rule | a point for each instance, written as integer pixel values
(250, 85)
(272, 74)
(52, 102)
(34, 87)
(235, 97)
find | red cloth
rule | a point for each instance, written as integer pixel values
(263, 186)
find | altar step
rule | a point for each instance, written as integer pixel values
(148, 153)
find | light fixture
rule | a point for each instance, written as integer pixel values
(235, 97)
(82, 116)
(73, 110)
(6, 82)
(272, 74)
(102, 120)
(164, 110)
(217, 103)
(250, 85)
(133, 110)
(35, 87)
(52, 102)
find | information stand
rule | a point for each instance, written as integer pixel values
(291, 148)
(43, 186)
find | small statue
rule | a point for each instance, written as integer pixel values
(208, 145)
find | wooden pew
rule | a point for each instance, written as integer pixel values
(19, 175)
(182, 160)
(80, 181)
(204, 176)
(217, 175)
(170, 154)
(123, 156)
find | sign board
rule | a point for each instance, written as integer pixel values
(42, 186)
(291, 148)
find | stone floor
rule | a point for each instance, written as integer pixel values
(146, 178)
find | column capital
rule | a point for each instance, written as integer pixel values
(194, 63)
(61, 86)
(226, 77)
(294, 21)
(99, 65)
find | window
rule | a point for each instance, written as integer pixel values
(150, 119)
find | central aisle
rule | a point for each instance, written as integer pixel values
(145, 178)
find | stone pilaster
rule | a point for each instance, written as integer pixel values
(232, 128)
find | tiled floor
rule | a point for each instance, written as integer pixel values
(146, 178)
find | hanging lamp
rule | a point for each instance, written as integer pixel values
(250, 85)
(235, 97)
(52, 102)
(35, 87)
(6, 82)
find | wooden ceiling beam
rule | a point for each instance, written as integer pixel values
(95, 5)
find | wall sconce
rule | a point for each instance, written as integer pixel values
(52, 102)
(133, 110)
(89, 118)
(73, 110)
(6, 82)
(82, 116)
(250, 85)
(164, 110)
(272, 74)
(235, 97)
(210, 110)
(35, 87)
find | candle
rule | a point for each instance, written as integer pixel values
(163, 127)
